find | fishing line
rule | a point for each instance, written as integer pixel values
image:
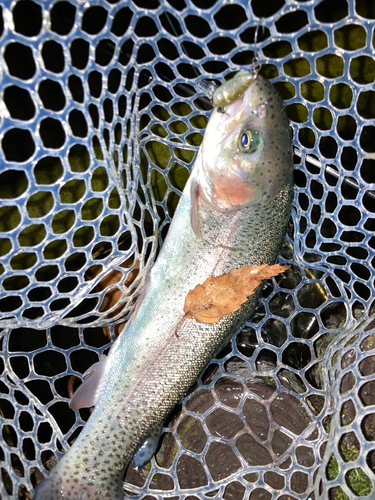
(256, 64)
(330, 170)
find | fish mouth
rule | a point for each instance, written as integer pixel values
(233, 108)
(225, 125)
(233, 89)
(233, 113)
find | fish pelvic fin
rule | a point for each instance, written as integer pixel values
(87, 393)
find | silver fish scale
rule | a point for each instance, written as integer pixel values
(102, 112)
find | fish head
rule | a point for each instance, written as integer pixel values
(246, 156)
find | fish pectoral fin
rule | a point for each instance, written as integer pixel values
(144, 291)
(146, 450)
(194, 217)
(87, 393)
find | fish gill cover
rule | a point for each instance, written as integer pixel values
(102, 113)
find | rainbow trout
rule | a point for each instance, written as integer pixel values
(233, 212)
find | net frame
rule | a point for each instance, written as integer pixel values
(133, 164)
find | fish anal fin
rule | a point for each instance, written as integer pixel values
(194, 217)
(87, 393)
(146, 450)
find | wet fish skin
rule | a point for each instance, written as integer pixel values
(241, 219)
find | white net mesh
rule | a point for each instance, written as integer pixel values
(102, 113)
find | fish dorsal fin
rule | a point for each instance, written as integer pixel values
(87, 393)
(194, 217)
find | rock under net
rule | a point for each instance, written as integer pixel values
(102, 113)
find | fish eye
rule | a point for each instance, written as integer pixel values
(250, 141)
